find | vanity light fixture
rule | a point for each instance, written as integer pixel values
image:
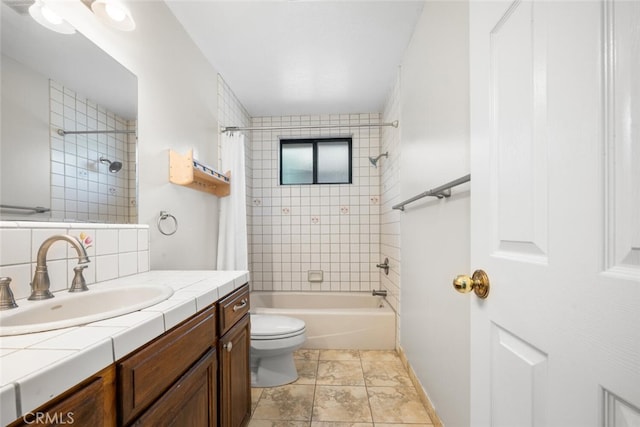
(49, 19)
(114, 14)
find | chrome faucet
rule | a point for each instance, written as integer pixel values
(379, 293)
(40, 285)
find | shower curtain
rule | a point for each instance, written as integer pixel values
(232, 235)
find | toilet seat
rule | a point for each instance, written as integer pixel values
(272, 327)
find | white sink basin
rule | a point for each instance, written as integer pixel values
(73, 309)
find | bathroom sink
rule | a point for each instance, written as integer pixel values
(73, 309)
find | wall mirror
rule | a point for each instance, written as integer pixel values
(68, 142)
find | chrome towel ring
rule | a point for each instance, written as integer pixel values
(163, 216)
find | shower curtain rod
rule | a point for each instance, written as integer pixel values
(63, 132)
(238, 129)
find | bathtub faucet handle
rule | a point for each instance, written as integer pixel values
(384, 266)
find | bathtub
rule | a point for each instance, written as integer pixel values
(334, 320)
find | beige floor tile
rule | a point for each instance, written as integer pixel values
(255, 396)
(332, 424)
(400, 425)
(339, 355)
(387, 373)
(397, 405)
(340, 372)
(275, 423)
(307, 371)
(379, 355)
(306, 353)
(341, 404)
(285, 403)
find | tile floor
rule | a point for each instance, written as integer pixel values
(342, 388)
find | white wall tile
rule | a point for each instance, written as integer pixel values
(127, 263)
(15, 246)
(20, 279)
(128, 240)
(106, 267)
(106, 242)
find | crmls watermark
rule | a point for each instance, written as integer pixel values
(58, 418)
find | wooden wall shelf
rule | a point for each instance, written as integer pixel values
(185, 171)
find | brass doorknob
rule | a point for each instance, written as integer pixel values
(479, 283)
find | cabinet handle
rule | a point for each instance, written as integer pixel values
(228, 346)
(242, 304)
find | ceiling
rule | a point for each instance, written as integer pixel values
(303, 57)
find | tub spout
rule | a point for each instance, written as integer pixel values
(379, 293)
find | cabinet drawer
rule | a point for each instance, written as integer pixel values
(190, 402)
(147, 374)
(233, 307)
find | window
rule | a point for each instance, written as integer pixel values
(315, 161)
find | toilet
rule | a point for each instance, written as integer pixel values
(273, 341)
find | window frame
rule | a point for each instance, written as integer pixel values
(314, 143)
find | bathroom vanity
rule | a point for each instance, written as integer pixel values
(195, 373)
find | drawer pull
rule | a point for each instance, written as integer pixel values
(242, 304)
(228, 346)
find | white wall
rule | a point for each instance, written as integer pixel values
(24, 151)
(177, 109)
(435, 233)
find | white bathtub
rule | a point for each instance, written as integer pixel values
(338, 320)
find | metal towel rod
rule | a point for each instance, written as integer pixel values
(63, 132)
(37, 209)
(439, 192)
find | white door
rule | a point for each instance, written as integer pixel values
(555, 213)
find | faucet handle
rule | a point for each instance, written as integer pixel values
(7, 300)
(78, 284)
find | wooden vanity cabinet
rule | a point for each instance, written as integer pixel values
(191, 401)
(173, 377)
(90, 403)
(196, 375)
(234, 329)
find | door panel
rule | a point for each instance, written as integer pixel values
(518, 105)
(619, 413)
(622, 116)
(555, 204)
(519, 381)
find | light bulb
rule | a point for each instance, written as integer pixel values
(115, 12)
(50, 16)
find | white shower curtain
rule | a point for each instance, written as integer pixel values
(232, 235)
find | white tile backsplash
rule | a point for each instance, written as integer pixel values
(107, 242)
(104, 243)
(15, 246)
(128, 240)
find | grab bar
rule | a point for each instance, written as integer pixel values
(37, 209)
(439, 192)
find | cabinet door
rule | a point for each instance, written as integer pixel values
(91, 403)
(235, 376)
(189, 402)
(145, 375)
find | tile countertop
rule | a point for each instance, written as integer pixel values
(34, 368)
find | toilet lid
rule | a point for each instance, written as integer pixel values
(269, 326)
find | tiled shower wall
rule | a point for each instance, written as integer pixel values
(82, 188)
(332, 228)
(390, 195)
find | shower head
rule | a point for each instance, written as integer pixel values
(374, 160)
(113, 166)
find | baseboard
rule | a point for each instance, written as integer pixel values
(420, 389)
